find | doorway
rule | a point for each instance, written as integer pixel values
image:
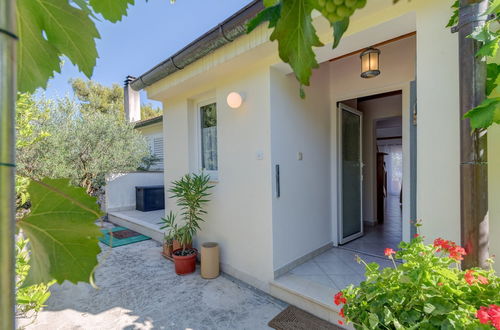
(370, 151)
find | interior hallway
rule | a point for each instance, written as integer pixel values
(381, 236)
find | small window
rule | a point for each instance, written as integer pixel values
(156, 147)
(208, 143)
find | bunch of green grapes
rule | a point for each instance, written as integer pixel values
(337, 10)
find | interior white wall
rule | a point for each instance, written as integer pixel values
(374, 110)
(239, 213)
(301, 215)
(397, 65)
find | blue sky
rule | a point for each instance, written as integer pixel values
(149, 34)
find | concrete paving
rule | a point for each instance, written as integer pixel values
(138, 289)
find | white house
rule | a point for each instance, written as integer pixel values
(295, 177)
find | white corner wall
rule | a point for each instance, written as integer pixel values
(438, 159)
(120, 188)
(239, 213)
(301, 215)
(494, 192)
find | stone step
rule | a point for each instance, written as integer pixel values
(312, 297)
(140, 226)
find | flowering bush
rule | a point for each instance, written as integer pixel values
(427, 291)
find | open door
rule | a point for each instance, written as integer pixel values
(350, 173)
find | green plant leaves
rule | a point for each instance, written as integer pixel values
(111, 10)
(339, 29)
(493, 71)
(296, 36)
(269, 14)
(49, 29)
(62, 232)
(487, 113)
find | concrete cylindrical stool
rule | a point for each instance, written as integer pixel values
(209, 260)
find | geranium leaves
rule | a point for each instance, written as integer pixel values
(62, 232)
(296, 37)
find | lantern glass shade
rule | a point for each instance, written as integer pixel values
(370, 65)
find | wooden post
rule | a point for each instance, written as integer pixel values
(473, 145)
(7, 158)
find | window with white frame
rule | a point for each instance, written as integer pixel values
(208, 138)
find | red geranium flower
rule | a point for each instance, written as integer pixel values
(482, 279)
(469, 277)
(339, 298)
(340, 322)
(456, 252)
(388, 252)
(482, 315)
(341, 313)
(489, 315)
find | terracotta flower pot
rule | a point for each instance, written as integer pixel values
(177, 245)
(185, 264)
(167, 250)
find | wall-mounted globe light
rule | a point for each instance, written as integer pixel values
(234, 100)
(370, 64)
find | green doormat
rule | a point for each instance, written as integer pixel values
(121, 236)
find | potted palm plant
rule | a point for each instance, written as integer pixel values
(192, 193)
(171, 232)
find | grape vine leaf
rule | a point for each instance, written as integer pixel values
(296, 37)
(484, 115)
(269, 14)
(339, 29)
(493, 71)
(47, 30)
(111, 10)
(62, 232)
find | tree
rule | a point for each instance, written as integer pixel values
(78, 143)
(97, 97)
(149, 111)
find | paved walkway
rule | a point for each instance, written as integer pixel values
(138, 289)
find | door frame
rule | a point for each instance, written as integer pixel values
(340, 108)
(405, 88)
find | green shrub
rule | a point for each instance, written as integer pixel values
(427, 291)
(31, 299)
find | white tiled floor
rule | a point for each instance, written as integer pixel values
(379, 237)
(337, 268)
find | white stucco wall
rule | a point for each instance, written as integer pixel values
(120, 188)
(151, 130)
(438, 189)
(239, 214)
(494, 192)
(301, 215)
(373, 110)
(240, 218)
